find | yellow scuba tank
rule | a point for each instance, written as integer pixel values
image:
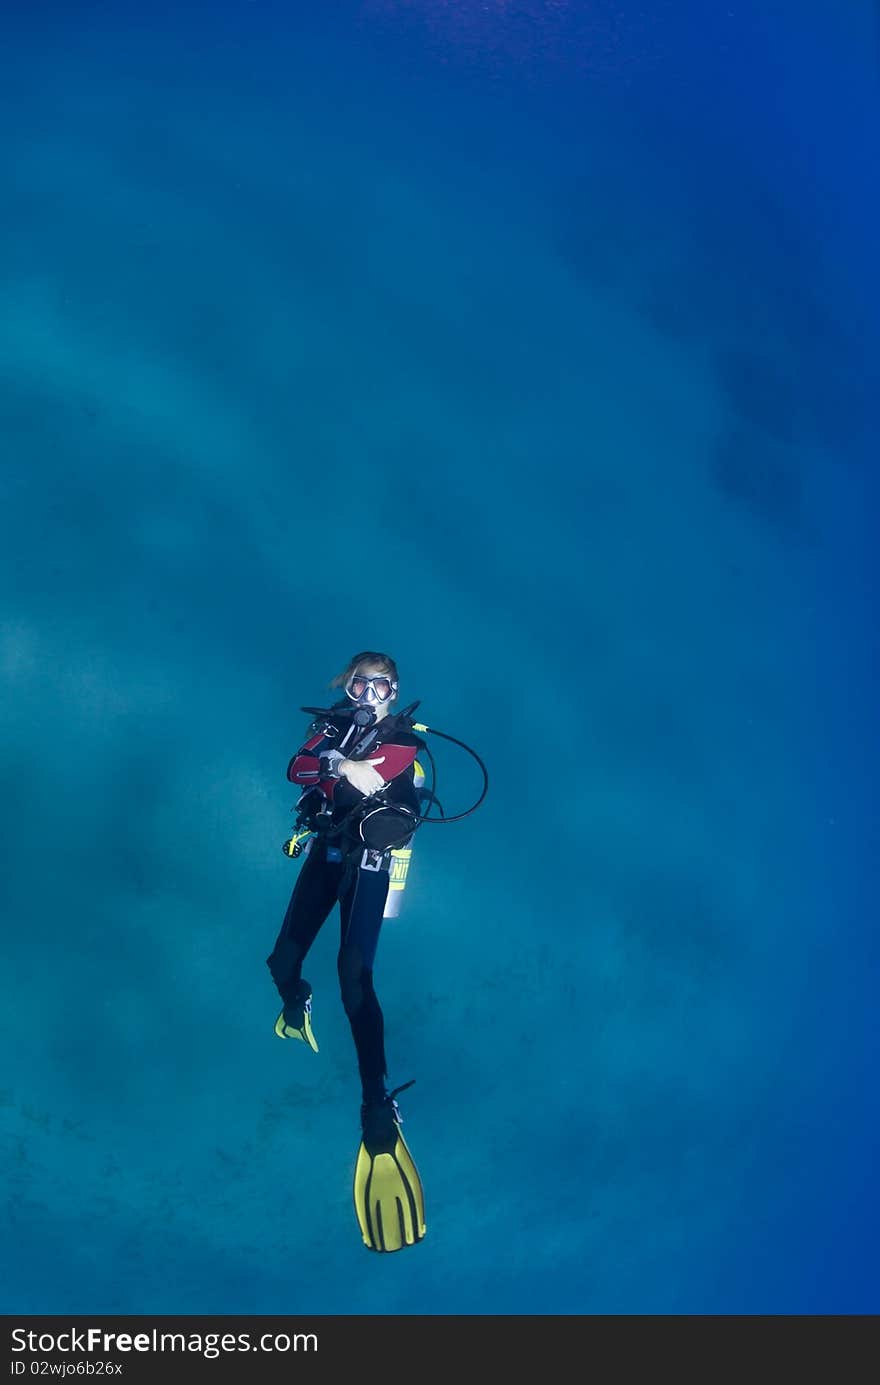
(397, 873)
(398, 868)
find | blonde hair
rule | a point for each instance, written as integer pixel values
(383, 662)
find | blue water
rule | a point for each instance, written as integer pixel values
(537, 345)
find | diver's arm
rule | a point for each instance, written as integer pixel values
(304, 769)
(315, 760)
(363, 774)
(397, 759)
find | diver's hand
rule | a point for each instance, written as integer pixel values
(361, 775)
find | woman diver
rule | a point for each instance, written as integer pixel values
(360, 801)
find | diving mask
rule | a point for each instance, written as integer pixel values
(367, 691)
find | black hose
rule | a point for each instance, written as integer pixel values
(456, 817)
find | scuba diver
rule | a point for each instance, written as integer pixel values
(363, 792)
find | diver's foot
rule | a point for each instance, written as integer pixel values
(381, 1121)
(388, 1195)
(295, 1020)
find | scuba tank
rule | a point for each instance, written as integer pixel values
(398, 870)
(401, 856)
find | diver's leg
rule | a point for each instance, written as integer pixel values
(362, 906)
(388, 1196)
(314, 895)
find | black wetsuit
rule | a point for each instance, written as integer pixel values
(359, 880)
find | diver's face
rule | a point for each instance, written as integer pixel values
(370, 686)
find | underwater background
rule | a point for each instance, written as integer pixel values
(536, 344)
